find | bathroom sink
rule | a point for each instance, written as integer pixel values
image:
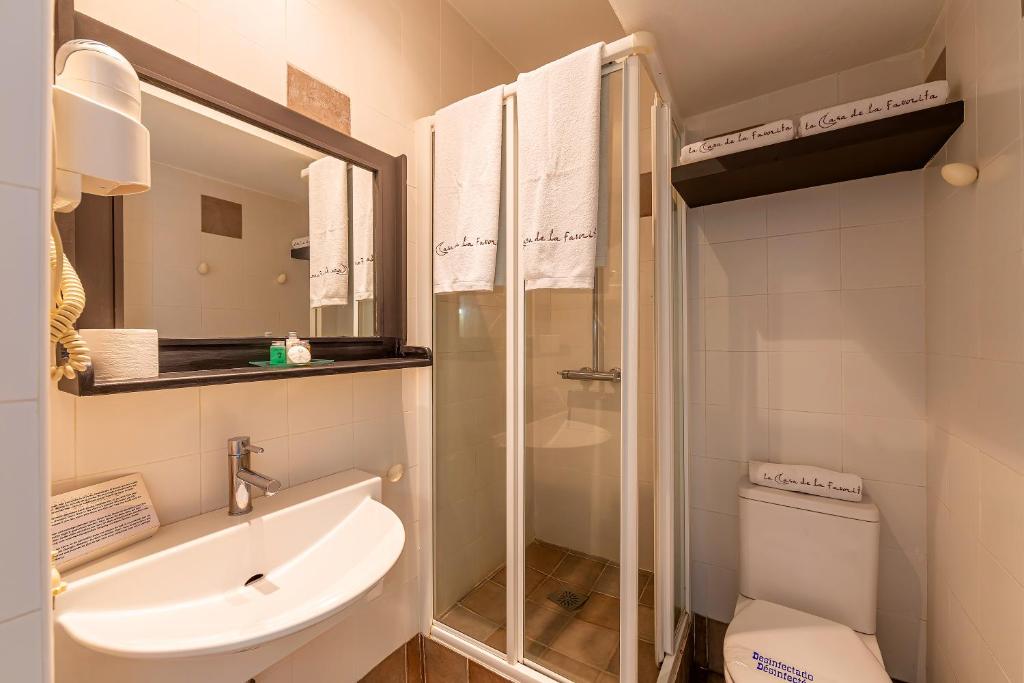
(217, 585)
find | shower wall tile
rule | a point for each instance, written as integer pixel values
(830, 369)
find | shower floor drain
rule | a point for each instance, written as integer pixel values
(568, 599)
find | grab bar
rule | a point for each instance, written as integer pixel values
(589, 374)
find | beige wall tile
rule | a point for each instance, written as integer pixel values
(804, 438)
(881, 199)
(805, 321)
(256, 409)
(22, 648)
(129, 429)
(737, 432)
(736, 323)
(808, 380)
(884, 448)
(802, 263)
(887, 255)
(20, 580)
(735, 268)
(316, 454)
(890, 319)
(1001, 614)
(732, 221)
(805, 210)
(1001, 515)
(318, 402)
(21, 207)
(884, 384)
(737, 378)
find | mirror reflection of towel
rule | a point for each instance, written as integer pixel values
(362, 233)
(328, 232)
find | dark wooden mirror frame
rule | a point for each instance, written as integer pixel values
(190, 362)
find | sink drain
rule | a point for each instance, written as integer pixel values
(253, 579)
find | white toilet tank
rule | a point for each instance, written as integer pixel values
(814, 554)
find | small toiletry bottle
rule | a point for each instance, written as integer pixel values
(278, 353)
(299, 354)
(292, 340)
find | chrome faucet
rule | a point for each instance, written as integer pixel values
(241, 479)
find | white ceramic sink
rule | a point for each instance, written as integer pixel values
(186, 599)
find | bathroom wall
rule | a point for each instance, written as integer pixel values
(975, 336)
(807, 340)
(239, 297)
(397, 61)
(25, 30)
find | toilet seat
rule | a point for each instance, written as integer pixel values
(768, 642)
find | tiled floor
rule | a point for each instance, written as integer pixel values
(582, 645)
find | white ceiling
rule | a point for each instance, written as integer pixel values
(530, 33)
(715, 52)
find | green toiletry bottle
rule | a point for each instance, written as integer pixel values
(278, 353)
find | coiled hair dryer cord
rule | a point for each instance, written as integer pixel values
(68, 303)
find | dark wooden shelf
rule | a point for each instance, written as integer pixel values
(85, 385)
(900, 143)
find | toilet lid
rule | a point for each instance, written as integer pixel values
(769, 642)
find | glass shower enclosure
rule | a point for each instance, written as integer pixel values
(558, 488)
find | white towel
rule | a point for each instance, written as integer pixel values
(559, 136)
(873, 108)
(806, 479)
(467, 192)
(328, 232)
(751, 138)
(362, 233)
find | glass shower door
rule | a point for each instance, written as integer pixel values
(572, 449)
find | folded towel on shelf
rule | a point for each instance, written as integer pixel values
(740, 141)
(559, 141)
(328, 232)
(873, 108)
(816, 481)
(467, 192)
(362, 234)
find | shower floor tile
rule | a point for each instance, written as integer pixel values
(582, 644)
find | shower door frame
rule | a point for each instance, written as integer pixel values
(513, 662)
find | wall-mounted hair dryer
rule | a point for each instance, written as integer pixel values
(100, 147)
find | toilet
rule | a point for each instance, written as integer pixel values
(808, 580)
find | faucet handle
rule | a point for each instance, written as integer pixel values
(241, 445)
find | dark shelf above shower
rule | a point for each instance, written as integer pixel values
(900, 143)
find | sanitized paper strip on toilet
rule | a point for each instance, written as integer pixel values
(93, 521)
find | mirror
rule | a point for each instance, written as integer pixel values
(220, 245)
